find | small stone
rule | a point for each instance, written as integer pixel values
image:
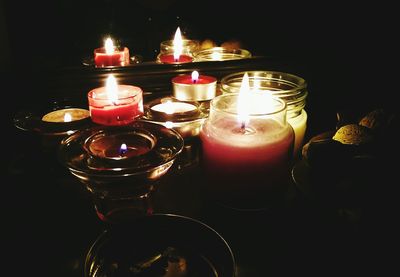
(353, 134)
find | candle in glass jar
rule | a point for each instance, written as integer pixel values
(194, 87)
(115, 104)
(177, 52)
(247, 145)
(109, 55)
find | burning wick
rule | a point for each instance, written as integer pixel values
(67, 117)
(123, 149)
(195, 77)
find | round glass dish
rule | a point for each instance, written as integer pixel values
(221, 54)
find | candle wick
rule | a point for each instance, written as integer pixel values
(194, 81)
(243, 126)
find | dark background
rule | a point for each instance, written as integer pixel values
(345, 52)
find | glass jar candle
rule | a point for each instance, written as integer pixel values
(221, 54)
(246, 155)
(291, 88)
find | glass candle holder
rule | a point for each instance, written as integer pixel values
(160, 245)
(246, 161)
(53, 122)
(184, 117)
(119, 57)
(221, 54)
(125, 108)
(121, 165)
(291, 88)
(167, 48)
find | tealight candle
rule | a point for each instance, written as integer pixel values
(109, 55)
(194, 87)
(119, 146)
(66, 115)
(247, 146)
(178, 50)
(174, 108)
(115, 104)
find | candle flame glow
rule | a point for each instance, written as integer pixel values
(123, 149)
(195, 76)
(109, 46)
(216, 56)
(112, 89)
(178, 44)
(67, 117)
(243, 103)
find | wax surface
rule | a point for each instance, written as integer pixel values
(187, 79)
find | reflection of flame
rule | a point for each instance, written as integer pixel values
(112, 89)
(195, 76)
(67, 117)
(109, 46)
(243, 105)
(178, 44)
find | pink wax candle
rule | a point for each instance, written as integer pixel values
(246, 148)
(115, 104)
(194, 87)
(109, 55)
(170, 58)
(178, 50)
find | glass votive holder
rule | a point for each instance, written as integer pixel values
(221, 54)
(185, 117)
(160, 245)
(291, 88)
(53, 122)
(246, 161)
(121, 165)
(119, 57)
(126, 106)
(167, 49)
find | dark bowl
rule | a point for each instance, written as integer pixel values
(160, 245)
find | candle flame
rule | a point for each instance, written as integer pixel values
(168, 107)
(112, 89)
(109, 46)
(195, 76)
(243, 102)
(216, 56)
(67, 117)
(123, 149)
(178, 44)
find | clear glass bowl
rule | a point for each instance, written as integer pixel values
(121, 180)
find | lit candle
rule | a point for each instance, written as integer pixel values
(119, 145)
(115, 104)
(178, 50)
(247, 146)
(110, 55)
(290, 88)
(169, 109)
(194, 87)
(66, 115)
